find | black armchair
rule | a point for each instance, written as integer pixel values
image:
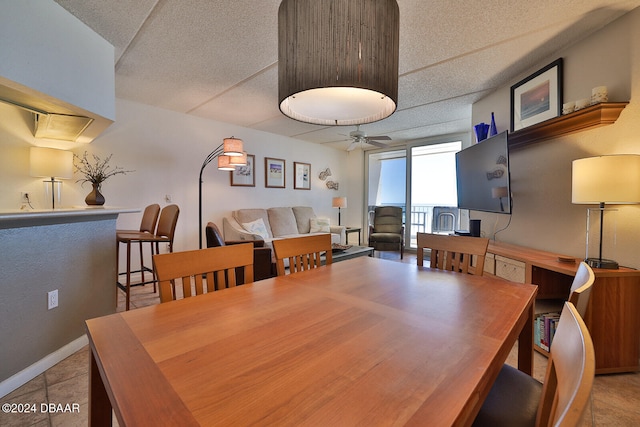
(263, 268)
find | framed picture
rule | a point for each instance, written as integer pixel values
(245, 176)
(274, 173)
(302, 176)
(538, 97)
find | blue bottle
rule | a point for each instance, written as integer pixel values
(493, 130)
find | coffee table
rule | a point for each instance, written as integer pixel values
(352, 252)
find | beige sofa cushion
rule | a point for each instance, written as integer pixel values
(244, 216)
(283, 222)
(303, 216)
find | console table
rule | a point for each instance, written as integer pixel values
(613, 313)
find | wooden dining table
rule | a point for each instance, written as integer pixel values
(361, 342)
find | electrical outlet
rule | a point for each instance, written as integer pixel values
(24, 197)
(52, 299)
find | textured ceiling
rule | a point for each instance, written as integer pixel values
(218, 58)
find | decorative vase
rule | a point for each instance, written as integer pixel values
(481, 131)
(95, 198)
(493, 130)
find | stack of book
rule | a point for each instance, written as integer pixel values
(544, 329)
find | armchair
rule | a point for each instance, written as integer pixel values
(387, 231)
(263, 268)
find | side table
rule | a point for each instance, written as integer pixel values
(352, 230)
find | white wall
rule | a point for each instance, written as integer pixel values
(166, 150)
(543, 215)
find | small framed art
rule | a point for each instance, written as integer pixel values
(538, 97)
(245, 176)
(302, 175)
(274, 173)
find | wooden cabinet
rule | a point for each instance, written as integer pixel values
(613, 314)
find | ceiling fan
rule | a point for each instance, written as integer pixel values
(359, 138)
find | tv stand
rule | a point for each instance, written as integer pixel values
(613, 313)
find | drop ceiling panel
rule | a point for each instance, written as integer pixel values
(218, 59)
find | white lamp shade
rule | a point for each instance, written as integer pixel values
(224, 163)
(498, 192)
(232, 147)
(611, 179)
(50, 163)
(339, 202)
(239, 160)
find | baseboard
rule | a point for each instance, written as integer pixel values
(30, 372)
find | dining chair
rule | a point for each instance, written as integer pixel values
(202, 270)
(302, 253)
(516, 399)
(165, 232)
(453, 253)
(147, 227)
(581, 288)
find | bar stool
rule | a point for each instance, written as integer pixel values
(164, 234)
(148, 226)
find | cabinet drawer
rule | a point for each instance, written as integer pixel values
(510, 269)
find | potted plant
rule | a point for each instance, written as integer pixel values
(95, 173)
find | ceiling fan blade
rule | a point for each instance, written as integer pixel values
(381, 138)
(352, 146)
(376, 143)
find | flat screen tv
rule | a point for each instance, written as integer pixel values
(482, 174)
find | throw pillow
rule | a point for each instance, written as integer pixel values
(319, 225)
(257, 227)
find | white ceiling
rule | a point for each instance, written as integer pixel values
(218, 58)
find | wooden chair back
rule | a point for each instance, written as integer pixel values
(581, 288)
(167, 223)
(217, 265)
(453, 253)
(570, 372)
(150, 218)
(303, 253)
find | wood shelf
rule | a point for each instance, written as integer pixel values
(602, 114)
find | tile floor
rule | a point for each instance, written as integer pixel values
(616, 398)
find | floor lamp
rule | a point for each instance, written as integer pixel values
(339, 202)
(230, 154)
(51, 163)
(603, 180)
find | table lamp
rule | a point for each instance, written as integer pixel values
(52, 163)
(339, 202)
(613, 179)
(499, 193)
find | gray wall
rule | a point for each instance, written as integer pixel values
(78, 259)
(543, 215)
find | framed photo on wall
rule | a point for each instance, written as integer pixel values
(274, 173)
(245, 176)
(302, 176)
(538, 97)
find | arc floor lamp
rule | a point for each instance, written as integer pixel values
(229, 154)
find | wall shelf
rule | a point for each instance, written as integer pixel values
(602, 114)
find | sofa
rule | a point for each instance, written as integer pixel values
(278, 223)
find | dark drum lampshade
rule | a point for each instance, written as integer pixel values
(338, 60)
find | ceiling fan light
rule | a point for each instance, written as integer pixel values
(338, 61)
